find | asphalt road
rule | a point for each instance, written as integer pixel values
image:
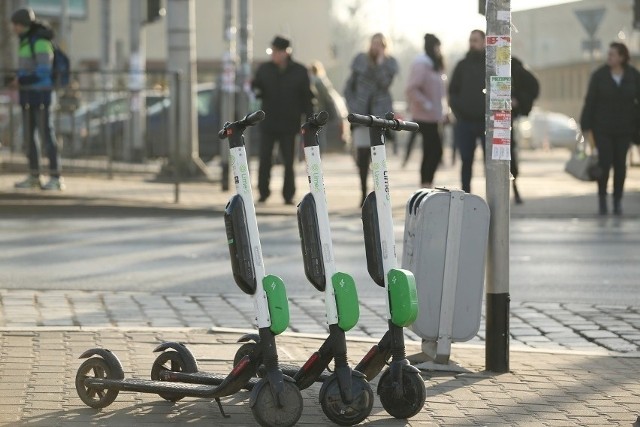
(556, 260)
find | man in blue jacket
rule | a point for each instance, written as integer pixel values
(35, 61)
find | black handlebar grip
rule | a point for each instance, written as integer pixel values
(360, 119)
(248, 120)
(373, 121)
(410, 126)
(223, 132)
(253, 118)
(320, 119)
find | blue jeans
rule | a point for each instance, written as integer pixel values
(38, 117)
(465, 136)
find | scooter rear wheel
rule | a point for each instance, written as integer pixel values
(414, 394)
(169, 361)
(267, 413)
(341, 413)
(95, 367)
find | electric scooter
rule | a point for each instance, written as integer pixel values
(346, 397)
(275, 399)
(401, 388)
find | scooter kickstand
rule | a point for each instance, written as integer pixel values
(220, 407)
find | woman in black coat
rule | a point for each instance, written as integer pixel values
(611, 118)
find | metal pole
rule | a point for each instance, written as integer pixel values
(107, 79)
(175, 133)
(497, 122)
(64, 25)
(137, 65)
(245, 57)
(228, 83)
(106, 51)
(182, 56)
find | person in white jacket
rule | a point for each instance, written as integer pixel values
(425, 94)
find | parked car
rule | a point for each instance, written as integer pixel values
(88, 129)
(158, 137)
(546, 129)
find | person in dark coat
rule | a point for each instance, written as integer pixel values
(524, 91)
(610, 119)
(467, 99)
(284, 87)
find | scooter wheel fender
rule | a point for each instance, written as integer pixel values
(250, 337)
(357, 374)
(191, 365)
(111, 359)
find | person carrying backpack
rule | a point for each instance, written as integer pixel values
(524, 91)
(35, 83)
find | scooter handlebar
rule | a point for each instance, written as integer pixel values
(248, 120)
(252, 118)
(319, 119)
(373, 121)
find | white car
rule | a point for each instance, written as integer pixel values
(546, 129)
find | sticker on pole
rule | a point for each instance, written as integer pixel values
(502, 46)
(500, 93)
(501, 144)
(501, 120)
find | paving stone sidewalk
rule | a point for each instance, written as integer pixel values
(550, 326)
(38, 368)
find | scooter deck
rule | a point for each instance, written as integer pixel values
(204, 378)
(147, 386)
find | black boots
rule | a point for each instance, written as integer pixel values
(602, 204)
(516, 193)
(617, 206)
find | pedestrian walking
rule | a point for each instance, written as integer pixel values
(285, 91)
(467, 98)
(425, 94)
(611, 120)
(524, 91)
(35, 63)
(367, 92)
(322, 87)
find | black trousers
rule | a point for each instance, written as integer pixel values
(513, 166)
(363, 158)
(612, 151)
(38, 118)
(466, 135)
(431, 150)
(286, 143)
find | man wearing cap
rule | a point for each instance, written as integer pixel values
(285, 90)
(35, 61)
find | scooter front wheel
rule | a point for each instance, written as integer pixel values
(266, 410)
(413, 394)
(169, 361)
(95, 367)
(341, 413)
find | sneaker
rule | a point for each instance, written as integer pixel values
(54, 183)
(29, 182)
